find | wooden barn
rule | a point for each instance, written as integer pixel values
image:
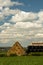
(16, 49)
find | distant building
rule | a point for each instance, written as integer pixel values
(16, 49)
(35, 47)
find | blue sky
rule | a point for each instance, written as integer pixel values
(21, 20)
(31, 5)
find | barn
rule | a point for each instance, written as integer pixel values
(16, 49)
(35, 47)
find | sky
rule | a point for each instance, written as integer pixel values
(21, 20)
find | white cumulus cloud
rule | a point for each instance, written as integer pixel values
(27, 25)
(8, 3)
(24, 16)
(39, 35)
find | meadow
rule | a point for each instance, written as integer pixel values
(22, 60)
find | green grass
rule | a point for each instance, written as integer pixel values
(22, 60)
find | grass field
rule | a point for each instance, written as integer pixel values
(22, 60)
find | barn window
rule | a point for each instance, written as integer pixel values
(19, 52)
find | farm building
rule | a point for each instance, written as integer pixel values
(16, 49)
(35, 47)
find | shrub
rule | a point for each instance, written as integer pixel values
(13, 55)
(2, 55)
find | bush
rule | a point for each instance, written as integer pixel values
(13, 55)
(36, 53)
(3, 55)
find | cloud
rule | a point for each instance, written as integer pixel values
(7, 11)
(40, 15)
(6, 24)
(1, 16)
(18, 3)
(1, 8)
(27, 25)
(24, 16)
(9, 34)
(17, 33)
(7, 3)
(38, 35)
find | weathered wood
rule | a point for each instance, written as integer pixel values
(16, 49)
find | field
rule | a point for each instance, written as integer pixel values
(22, 60)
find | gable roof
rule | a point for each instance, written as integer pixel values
(16, 49)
